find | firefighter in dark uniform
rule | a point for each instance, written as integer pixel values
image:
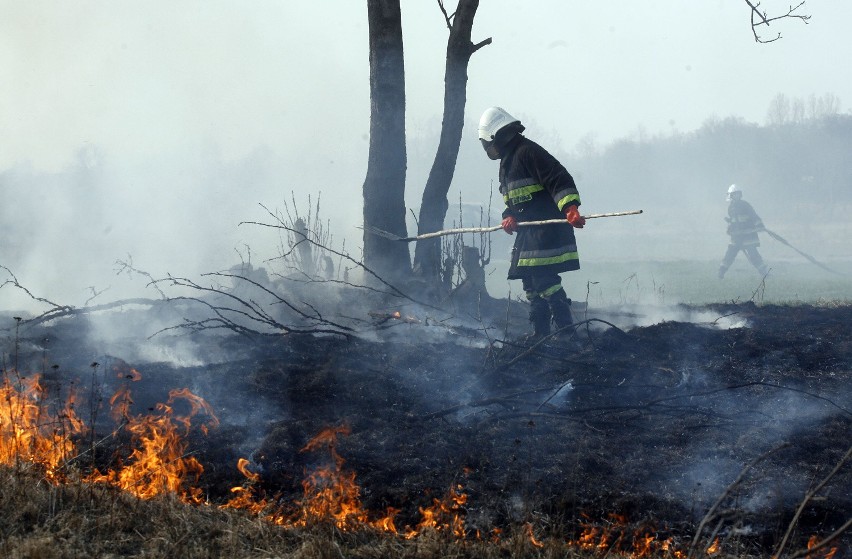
(743, 227)
(535, 187)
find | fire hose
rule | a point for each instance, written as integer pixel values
(782, 240)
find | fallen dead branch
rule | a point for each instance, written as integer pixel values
(505, 400)
(755, 383)
(547, 339)
(65, 311)
(249, 310)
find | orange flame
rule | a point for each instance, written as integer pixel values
(245, 498)
(386, 524)
(812, 542)
(616, 537)
(445, 515)
(29, 433)
(332, 495)
(158, 463)
(714, 547)
(120, 403)
(128, 373)
(531, 536)
(242, 466)
(330, 492)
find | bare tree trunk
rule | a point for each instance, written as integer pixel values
(433, 208)
(384, 185)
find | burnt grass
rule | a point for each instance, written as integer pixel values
(673, 427)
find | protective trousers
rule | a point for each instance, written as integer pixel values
(548, 301)
(751, 254)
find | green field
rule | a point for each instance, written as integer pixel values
(693, 282)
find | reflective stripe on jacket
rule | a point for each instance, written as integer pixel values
(535, 186)
(743, 224)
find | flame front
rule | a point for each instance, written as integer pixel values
(29, 433)
(158, 463)
(617, 537)
(714, 547)
(445, 515)
(330, 494)
(531, 536)
(812, 542)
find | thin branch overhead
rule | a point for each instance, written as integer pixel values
(760, 17)
(447, 17)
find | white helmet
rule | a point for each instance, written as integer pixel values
(492, 121)
(733, 191)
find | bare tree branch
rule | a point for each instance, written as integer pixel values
(14, 282)
(447, 18)
(249, 310)
(394, 291)
(480, 44)
(759, 17)
(65, 311)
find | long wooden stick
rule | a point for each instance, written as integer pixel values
(490, 229)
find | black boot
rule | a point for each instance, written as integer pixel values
(539, 318)
(560, 307)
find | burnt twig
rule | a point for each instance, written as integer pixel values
(532, 348)
(505, 399)
(711, 513)
(808, 496)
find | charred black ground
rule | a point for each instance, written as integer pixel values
(652, 423)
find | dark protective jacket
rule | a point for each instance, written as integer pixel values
(535, 186)
(743, 224)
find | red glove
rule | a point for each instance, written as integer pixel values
(510, 225)
(572, 214)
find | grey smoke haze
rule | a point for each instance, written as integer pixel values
(152, 129)
(779, 416)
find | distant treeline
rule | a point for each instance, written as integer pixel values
(800, 162)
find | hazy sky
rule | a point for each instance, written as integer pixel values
(152, 128)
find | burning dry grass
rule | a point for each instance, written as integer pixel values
(29, 431)
(149, 496)
(148, 506)
(74, 520)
